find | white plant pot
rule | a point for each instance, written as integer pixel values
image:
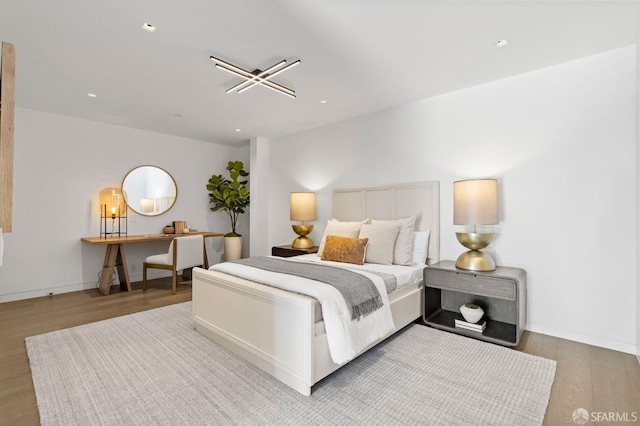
(232, 248)
(471, 315)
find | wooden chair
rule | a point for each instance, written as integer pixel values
(184, 252)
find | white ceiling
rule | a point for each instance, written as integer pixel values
(361, 56)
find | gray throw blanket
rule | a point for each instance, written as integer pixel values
(359, 292)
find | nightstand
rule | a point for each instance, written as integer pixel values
(501, 294)
(288, 251)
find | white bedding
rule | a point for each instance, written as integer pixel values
(346, 338)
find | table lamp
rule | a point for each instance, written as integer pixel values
(475, 202)
(303, 207)
(112, 206)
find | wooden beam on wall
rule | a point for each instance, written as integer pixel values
(7, 99)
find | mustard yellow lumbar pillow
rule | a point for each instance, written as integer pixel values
(344, 249)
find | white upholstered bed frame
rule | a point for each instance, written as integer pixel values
(275, 329)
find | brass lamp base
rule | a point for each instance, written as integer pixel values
(302, 242)
(474, 259)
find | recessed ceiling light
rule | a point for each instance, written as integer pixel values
(92, 95)
(501, 43)
(323, 101)
(238, 130)
(148, 27)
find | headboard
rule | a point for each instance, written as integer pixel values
(394, 202)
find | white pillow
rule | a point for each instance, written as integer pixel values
(340, 229)
(420, 247)
(402, 249)
(382, 238)
(333, 219)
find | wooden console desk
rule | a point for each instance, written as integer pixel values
(115, 258)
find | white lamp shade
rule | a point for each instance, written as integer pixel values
(303, 206)
(475, 202)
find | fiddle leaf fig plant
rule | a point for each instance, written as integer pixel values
(230, 195)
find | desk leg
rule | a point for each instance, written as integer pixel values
(123, 272)
(114, 258)
(107, 268)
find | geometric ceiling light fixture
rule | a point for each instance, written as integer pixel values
(257, 77)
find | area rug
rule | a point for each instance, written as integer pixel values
(153, 368)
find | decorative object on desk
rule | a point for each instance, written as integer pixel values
(113, 213)
(179, 226)
(475, 202)
(231, 196)
(169, 229)
(302, 207)
(479, 327)
(471, 312)
(149, 190)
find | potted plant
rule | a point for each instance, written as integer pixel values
(231, 196)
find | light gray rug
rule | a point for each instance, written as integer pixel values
(152, 368)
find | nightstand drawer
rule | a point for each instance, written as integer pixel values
(288, 251)
(501, 288)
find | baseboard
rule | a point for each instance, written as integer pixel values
(599, 341)
(22, 295)
(52, 291)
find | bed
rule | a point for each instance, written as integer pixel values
(283, 332)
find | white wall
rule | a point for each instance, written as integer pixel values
(562, 143)
(60, 166)
(259, 173)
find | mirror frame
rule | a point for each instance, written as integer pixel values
(154, 213)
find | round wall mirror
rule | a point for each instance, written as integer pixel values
(149, 190)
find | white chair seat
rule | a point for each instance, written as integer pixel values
(160, 259)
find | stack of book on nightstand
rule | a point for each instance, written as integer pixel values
(479, 327)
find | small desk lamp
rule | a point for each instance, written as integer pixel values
(112, 206)
(303, 207)
(475, 202)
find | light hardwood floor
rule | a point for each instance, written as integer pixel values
(589, 377)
